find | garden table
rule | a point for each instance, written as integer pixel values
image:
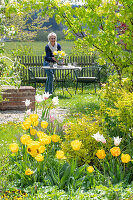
(69, 67)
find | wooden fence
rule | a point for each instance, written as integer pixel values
(37, 61)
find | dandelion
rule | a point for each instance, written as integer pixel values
(39, 157)
(28, 172)
(44, 124)
(60, 154)
(125, 158)
(76, 144)
(14, 147)
(90, 169)
(27, 102)
(55, 101)
(117, 141)
(101, 154)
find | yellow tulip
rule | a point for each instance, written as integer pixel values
(55, 138)
(60, 154)
(101, 154)
(39, 157)
(33, 131)
(45, 140)
(28, 172)
(115, 151)
(41, 149)
(33, 117)
(76, 144)
(90, 169)
(13, 147)
(44, 124)
(25, 139)
(125, 158)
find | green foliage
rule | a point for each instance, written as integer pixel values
(104, 27)
(82, 130)
(116, 108)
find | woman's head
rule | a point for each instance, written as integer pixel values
(52, 37)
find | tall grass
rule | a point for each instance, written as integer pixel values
(34, 48)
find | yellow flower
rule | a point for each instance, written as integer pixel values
(33, 131)
(28, 172)
(39, 157)
(13, 147)
(35, 123)
(40, 134)
(125, 158)
(26, 125)
(76, 144)
(46, 139)
(101, 154)
(55, 138)
(90, 169)
(25, 139)
(55, 53)
(63, 53)
(60, 154)
(44, 124)
(115, 151)
(41, 149)
(33, 117)
(33, 148)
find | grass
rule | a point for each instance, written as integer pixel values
(34, 48)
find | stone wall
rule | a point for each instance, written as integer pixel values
(13, 98)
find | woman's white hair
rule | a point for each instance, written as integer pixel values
(52, 34)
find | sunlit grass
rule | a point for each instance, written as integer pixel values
(34, 48)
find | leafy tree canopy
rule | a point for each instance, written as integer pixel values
(105, 26)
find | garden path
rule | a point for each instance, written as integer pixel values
(18, 116)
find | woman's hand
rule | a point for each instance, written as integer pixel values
(54, 59)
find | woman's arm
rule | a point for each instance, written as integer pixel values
(49, 57)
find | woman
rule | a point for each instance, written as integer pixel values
(49, 58)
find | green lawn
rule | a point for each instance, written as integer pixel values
(34, 48)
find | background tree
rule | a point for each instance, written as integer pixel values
(105, 26)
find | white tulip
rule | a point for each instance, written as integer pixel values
(99, 138)
(27, 102)
(117, 140)
(38, 98)
(55, 101)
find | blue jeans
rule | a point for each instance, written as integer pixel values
(49, 82)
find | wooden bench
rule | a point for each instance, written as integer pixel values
(88, 75)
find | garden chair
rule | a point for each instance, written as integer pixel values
(88, 75)
(36, 75)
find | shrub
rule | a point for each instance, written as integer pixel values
(117, 108)
(82, 130)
